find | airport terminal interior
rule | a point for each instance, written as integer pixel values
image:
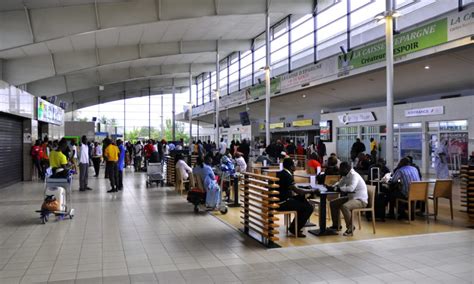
(236, 141)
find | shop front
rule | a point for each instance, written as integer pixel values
(418, 130)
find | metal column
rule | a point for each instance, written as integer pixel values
(389, 63)
(267, 74)
(124, 118)
(190, 108)
(218, 70)
(173, 113)
(149, 113)
(162, 124)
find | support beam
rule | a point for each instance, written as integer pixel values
(174, 114)
(162, 118)
(218, 93)
(190, 109)
(30, 26)
(389, 72)
(267, 75)
(149, 113)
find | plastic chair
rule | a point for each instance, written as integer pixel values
(443, 189)
(370, 208)
(418, 191)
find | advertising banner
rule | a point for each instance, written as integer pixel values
(424, 111)
(50, 113)
(429, 35)
(259, 90)
(309, 74)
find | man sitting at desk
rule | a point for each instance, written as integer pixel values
(352, 183)
(293, 198)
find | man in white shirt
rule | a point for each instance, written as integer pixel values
(241, 165)
(97, 157)
(84, 165)
(182, 167)
(357, 197)
(222, 147)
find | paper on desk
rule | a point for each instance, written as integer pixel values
(319, 187)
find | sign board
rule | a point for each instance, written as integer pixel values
(47, 112)
(309, 74)
(259, 90)
(277, 125)
(437, 110)
(304, 122)
(429, 35)
(325, 130)
(356, 117)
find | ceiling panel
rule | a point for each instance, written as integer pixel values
(35, 49)
(83, 41)
(60, 45)
(154, 32)
(12, 53)
(107, 38)
(130, 35)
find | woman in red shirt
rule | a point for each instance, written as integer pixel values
(314, 163)
(36, 155)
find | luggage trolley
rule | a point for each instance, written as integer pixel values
(155, 173)
(61, 189)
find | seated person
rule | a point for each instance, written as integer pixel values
(332, 168)
(264, 157)
(203, 168)
(182, 167)
(57, 160)
(382, 166)
(241, 165)
(314, 166)
(292, 198)
(337, 159)
(352, 183)
(363, 164)
(400, 184)
(410, 158)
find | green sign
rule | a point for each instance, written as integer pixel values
(420, 38)
(259, 90)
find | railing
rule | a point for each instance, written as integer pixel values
(259, 204)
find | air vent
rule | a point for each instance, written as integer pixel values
(355, 108)
(400, 103)
(450, 96)
(300, 116)
(282, 118)
(305, 85)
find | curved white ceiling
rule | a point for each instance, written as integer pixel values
(58, 47)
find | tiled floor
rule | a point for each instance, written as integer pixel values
(151, 235)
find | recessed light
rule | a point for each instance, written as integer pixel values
(304, 96)
(427, 67)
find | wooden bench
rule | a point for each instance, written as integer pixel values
(259, 207)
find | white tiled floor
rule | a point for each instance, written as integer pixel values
(151, 235)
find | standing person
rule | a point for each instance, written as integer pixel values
(321, 150)
(291, 148)
(120, 164)
(111, 154)
(222, 147)
(84, 165)
(36, 154)
(373, 150)
(357, 148)
(97, 157)
(358, 197)
(148, 149)
(231, 147)
(441, 161)
(45, 149)
(138, 153)
(74, 154)
(165, 150)
(245, 150)
(241, 165)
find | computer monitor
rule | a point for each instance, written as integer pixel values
(244, 118)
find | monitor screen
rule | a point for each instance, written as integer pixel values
(244, 118)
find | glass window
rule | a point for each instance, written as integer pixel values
(280, 29)
(299, 30)
(302, 44)
(367, 13)
(455, 125)
(333, 13)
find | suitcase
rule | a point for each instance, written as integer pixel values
(196, 196)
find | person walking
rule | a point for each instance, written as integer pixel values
(138, 153)
(120, 164)
(111, 154)
(373, 150)
(84, 165)
(36, 154)
(97, 157)
(441, 161)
